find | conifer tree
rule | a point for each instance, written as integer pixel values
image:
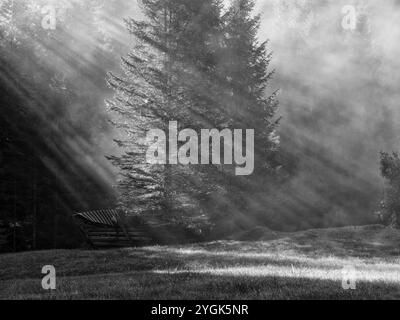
(204, 70)
(245, 69)
(165, 79)
(243, 75)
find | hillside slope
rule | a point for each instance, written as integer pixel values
(302, 265)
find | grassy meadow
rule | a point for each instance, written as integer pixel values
(257, 265)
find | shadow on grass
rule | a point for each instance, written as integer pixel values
(195, 286)
(305, 265)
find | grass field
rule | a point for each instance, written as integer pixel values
(262, 265)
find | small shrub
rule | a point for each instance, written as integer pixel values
(390, 206)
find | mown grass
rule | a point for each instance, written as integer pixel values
(305, 265)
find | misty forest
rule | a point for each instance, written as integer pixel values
(83, 82)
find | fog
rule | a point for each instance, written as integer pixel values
(338, 98)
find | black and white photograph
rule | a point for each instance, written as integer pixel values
(218, 152)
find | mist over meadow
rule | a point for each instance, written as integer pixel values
(337, 92)
(338, 102)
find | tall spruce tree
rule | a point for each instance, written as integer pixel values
(203, 69)
(245, 68)
(165, 79)
(244, 78)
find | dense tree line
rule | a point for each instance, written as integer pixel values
(198, 63)
(44, 178)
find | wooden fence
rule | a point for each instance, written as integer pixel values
(109, 229)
